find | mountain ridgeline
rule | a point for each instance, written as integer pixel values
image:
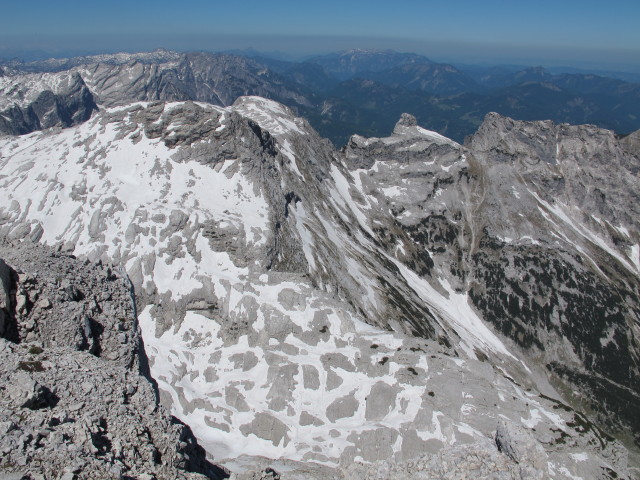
(406, 305)
(357, 91)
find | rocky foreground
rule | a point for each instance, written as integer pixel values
(74, 400)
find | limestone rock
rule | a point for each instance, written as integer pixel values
(25, 392)
(69, 413)
(632, 142)
(522, 448)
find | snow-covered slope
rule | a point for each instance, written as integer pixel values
(285, 309)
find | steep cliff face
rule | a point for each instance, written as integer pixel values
(40, 101)
(579, 286)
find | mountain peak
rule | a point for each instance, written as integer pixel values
(407, 127)
(406, 120)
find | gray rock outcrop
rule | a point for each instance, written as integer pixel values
(632, 142)
(71, 411)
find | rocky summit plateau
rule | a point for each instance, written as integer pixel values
(192, 290)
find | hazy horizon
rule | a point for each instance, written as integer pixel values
(585, 34)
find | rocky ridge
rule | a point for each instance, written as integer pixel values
(74, 404)
(632, 142)
(537, 223)
(66, 92)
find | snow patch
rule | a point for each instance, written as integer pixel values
(558, 211)
(456, 311)
(270, 115)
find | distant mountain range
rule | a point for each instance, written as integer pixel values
(355, 91)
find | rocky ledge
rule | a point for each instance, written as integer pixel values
(74, 400)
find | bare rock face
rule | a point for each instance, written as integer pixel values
(520, 446)
(25, 392)
(570, 284)
(213, 78)
(73, 403)
(61, 302)
(70, 91)
(43, 101)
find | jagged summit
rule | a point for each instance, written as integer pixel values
(407, 127)
(121, 58)
(122, 79)
(406, 120)
(41, 101)
(521, 199)
(407, 301)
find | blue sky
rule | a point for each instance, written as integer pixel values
(542, 32)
